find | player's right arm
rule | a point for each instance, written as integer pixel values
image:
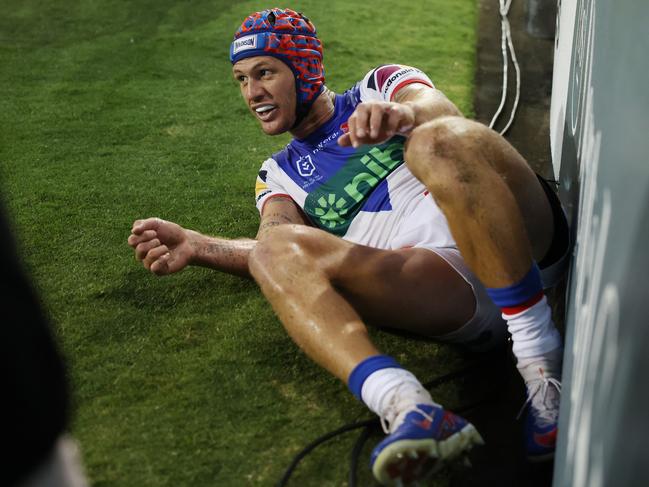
(165, 247)
(395, 100)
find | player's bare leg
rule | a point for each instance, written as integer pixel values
(322, 287)
(497, 211)
(502, 222)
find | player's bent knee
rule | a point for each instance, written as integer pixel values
(445, 154)
(282, 247)
(444, 139)
(270, 249)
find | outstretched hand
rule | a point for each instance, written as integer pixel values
(374, 122)
(163, 247)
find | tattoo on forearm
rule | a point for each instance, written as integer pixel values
(269, 224)
(279, 216)
(272, 220)
(219, 248)
(227, 255)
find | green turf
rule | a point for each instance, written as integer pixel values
(116, 110)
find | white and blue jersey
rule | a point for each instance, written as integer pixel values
(364, 195)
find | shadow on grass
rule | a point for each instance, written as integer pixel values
(141, 289)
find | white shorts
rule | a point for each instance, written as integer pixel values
(486, 329)
(426, 227)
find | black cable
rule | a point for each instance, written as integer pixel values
(319, 441)
(356, 451)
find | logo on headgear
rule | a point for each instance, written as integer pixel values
(248, 42)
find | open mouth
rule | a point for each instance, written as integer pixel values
(265, 112)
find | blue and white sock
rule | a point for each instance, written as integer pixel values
(529, 317)
(387, 388)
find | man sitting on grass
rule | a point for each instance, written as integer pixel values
(388, 208)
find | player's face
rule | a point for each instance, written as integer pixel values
(268, 87)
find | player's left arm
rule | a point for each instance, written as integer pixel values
(376, 121)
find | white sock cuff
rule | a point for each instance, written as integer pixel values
(380, 389)
(533, 331)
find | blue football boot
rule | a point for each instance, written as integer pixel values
(426, 438)
(540, 428)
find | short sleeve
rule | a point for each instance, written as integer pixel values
(385, 81)
(267, 185)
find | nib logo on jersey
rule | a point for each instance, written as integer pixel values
(333, 205)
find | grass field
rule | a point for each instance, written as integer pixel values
(116, 110)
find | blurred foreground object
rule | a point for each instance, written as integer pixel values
(34, 386)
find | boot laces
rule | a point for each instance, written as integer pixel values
(543, 395)
(397, 410)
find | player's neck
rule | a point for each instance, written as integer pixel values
(321, 111)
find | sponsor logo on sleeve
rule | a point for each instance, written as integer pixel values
(397, 77)
(245, 43)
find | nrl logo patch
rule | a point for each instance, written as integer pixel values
(305, 166)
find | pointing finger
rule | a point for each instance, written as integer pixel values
(351, 133)
(376, 120)
(362, 120)
(345, 140)
(392, 123)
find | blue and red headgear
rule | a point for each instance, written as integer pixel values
(290, 37)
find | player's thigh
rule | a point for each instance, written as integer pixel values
(413, 289)
(410, 289)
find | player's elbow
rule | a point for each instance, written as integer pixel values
(443, 107)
